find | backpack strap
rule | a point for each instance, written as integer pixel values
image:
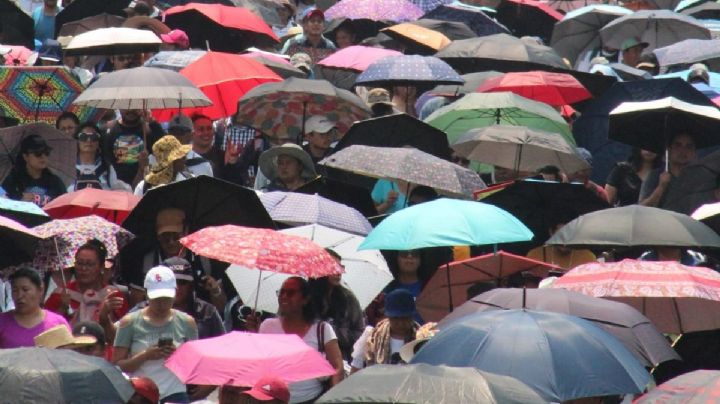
(194, 161)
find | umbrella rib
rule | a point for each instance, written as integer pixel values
(480, 270)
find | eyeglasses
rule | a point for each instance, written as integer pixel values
(39, 154)
(287, 292)
(408, 254)
(86, 264)
(169, 237)
(88, 137)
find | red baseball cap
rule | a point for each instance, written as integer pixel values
(270, 388)
(145, 387)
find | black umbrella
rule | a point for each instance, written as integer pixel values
(628, 325)
(17, 243)
(18, 28)
(339, 190)
(103, 20)
(695, 187)
(41, 375)
(79, 9)
(528, 18)
(25, 213)
(479, 22)
(206, 201)
(454, 30)
(363, 27)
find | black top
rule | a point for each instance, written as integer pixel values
(627, 182)
(44, 189)
(123, 144)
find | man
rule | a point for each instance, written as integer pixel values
(680, 153)
(380, 102)
(44, 18)
(124, 146)
(319, 133)
(225, 164)
(311, 41)
(182, 128)
(631, 50)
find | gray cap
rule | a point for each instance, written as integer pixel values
(181, 122)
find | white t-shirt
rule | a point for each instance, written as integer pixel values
(358, 360)
(308, 389)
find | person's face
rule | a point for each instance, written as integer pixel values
(88, 268)
(26, 295)
(344, 38)
(51, 3)
(647, 155)
(284, 13)
(96, 350)
(631, 56)
(70, 61)
(37, 160)
(314, 26)
(120, 62)
(321, 140)
(289, 168)
(203, 132)
(290, 298)
(408, 261)
(184, 291)
(170, 243)
(682, 150)
(161, 304)
(88, 141)
(130, 116)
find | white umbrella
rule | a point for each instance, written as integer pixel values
(366, 272)
(113, 41)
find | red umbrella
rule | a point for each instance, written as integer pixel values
(263, 249)
(555, 89)
(113, 206)
(675, 297)
(437, 299)
(224, 78)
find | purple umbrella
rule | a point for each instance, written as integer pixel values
(429, 5)
(375, 10)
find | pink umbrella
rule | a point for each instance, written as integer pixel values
(356, 58)
(675, 297)
(375, 10)
(18, 56)
(241, 358)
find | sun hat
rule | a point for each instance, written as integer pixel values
(269, 388)
(166, 150)
(182, 122)
(631, 43)
(61, 337)
(422, 335)
(170, 220)
(379, 96)
(399, 303)
(268, 160)
(319, 124)
(160, 282)
(301, 60)
(176, 37)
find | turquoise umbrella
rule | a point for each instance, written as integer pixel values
(446, 222)
(26, 213)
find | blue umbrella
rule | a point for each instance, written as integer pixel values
(714, 77)
(26, 213)
(408, 70)
(474, 17)
(446, 222)
(561, 357)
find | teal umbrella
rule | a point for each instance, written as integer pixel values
(26, 213)
(477, 110)
(446, 222)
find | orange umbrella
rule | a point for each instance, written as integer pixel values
(419, 39)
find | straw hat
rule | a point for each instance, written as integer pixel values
(166, 150)
(268, 161)
(60, 337)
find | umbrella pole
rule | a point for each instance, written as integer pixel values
(257, 291)
(667, 140)
(302, 131)
(62, 270)
(450, 305)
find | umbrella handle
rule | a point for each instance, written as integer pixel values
(257, 291)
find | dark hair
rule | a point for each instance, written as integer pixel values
(635, 160)
(197, 117)
(97, 246)
(551, 170)
(426, 193)
(28, 273)
(308, 311)
(381, 109)
(66, 115)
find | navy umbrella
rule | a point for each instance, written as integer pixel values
(408, 70)
(561, 357)
(473, 17)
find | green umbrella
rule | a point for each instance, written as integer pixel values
(478, 110)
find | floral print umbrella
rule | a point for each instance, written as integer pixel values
(376, 10)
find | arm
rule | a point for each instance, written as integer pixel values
(611, 192)
(333, 355)
(653, 199)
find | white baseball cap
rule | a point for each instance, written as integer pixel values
(319, 124)
(160, 282)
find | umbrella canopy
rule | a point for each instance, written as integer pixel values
(472, 82)
(366, 272)
(690, 51)
(83, 10)
(654, 122)
(342, 67)
(262, 249)
(709, 214)
(519, 148)
(25, 213)
(423, 383)
(281, 66)
(351, 195)
(376, 10)
(93, 22)
(625, 323)
(407, 165)
(62, 159)
(114, 206)
(448, 287)
(174, 60)
(224, 28)
(556, 89)
(451, 29)
(579, 30)
(19, 56)
(298, 99)
(695, 187)
(242, 358)
(709, 10)
(17, 242)
(700, 386)
(296, 209)
(446, 222)
(113, 41)
(408, 70)
(528, 17)
(656, 27)
(636, 225)
(485, 109)
(473, 17)
(560, 357)
(675, 297)
(19, 27)
(417, 39)
(41, 375)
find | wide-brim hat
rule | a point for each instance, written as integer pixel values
(166, 150)
(268, 161)
(61, 337)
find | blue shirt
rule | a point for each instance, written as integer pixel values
(44, 24)
(379, 195)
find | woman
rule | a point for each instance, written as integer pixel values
(287, 167)
(92, 170)
(625, 180)
(296, 315)
(145, 338)
(408, 275)
(30, 179)
(19, 327)
(67, 123)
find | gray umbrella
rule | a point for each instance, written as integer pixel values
(690, 51)
(625, 323)
(695, 186)
(636, 225)
(656, 27)
(174, 60)
(423, 383)
(143, 88)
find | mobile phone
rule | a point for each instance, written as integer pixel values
(165, 342)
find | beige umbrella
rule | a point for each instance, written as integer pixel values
(113, 41)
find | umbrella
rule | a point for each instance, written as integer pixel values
(174, 60)
(41, 375)
(338, 191)
(528, 17)
(708, 214)
(408, 70)
(472, 82)
(656, 27)
(343, 66)
(113, 41)
(142, 88)
(296, 209)
(17, 242)
(698, 387)
(519, 148)
(653, 122)
(407, 165)
(61, 160)
(18, 26)
(113, 206)
(536, 203)
(241, 359)
(281, 66)
(223, 78)
(429, 5)
(556, 89)
(40, 94)
(298, 99)
(559, 356)
(423, 383)
(222, 28)
(206, 201)
(19, 56)
(375, 10)
(90, 23)
(265, 9)
(451, 29)
(417, 39)
(626, 324)
(709, 10)
(446, 222)
(25, 213)
(366, 272)
(485, 109)
(83, 10)
(675, 297)
(448, 287)
(62, 238)
(628, 73)
(636, 226)
(690, 51)
(262, 249)
(578, 30)
(474, 18)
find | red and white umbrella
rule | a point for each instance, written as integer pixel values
(675, 297)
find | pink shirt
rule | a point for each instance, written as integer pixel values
(13, 335)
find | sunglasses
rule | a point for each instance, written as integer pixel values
(88, 137)
(39, 154)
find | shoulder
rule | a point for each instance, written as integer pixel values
(52, 319)
(128, 319)
(270, 326)
(327, 329)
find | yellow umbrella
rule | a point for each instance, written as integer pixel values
(423, 39)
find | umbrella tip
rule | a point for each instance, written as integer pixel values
(524, 298)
